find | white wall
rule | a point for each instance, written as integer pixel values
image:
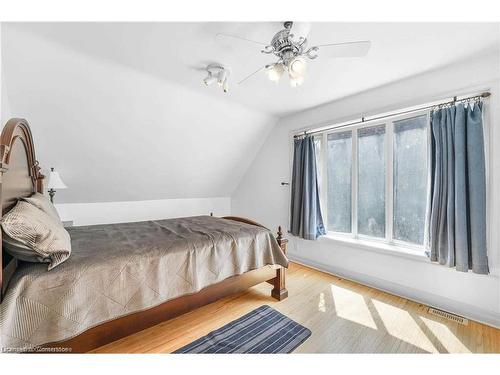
(4, 100)
(5, 113)
(1, 80)
(119, 134)
(120, 212)
(261, 197)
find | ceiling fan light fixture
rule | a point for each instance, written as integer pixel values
(218, 73)
(293, 51)
(275, 71)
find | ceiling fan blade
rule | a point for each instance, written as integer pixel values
(347, 49)
(251, 75)
(220, 37)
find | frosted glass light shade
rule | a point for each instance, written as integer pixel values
(222, 77)
(275, 72)
(297, 67)
(209, 80)
(55, 181)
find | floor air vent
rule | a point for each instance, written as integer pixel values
(449, 316)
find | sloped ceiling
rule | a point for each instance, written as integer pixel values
(119, 134)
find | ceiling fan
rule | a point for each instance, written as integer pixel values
(292, 53)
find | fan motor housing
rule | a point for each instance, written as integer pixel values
(282, 42)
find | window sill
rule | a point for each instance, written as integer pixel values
(380, 247)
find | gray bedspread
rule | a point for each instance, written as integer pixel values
(118, 269)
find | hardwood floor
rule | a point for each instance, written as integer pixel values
(344, 317)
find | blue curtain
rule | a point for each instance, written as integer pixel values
(457, 216)
(306, 220)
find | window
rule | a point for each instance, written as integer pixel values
(374, 179)
(371, 181)
(339, 181)
(410, 179)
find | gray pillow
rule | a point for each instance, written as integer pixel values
(43, 203)
(38, 232)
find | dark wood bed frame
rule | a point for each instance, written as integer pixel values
(20, 176)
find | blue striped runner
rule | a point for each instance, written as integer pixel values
(263, 330)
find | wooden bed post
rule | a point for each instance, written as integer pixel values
(279, 291)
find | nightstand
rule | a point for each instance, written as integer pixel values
(67, 223)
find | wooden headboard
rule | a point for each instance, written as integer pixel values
(19, 177)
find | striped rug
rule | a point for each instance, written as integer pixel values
(263, 330)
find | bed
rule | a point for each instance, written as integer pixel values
(122, 278)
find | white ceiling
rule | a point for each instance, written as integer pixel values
(178, 52)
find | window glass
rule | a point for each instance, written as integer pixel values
(339, 181)
(371, 181)
(410, 179)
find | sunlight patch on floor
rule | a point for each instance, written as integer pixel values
(352, 306)
(448, 339)
(400, 324)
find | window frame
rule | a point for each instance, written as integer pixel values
(389, 178)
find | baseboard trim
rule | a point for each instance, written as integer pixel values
(466, 310)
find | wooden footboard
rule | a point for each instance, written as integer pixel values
(129, 324)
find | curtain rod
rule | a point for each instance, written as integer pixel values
(363, 119)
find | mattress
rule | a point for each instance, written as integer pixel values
(118, 269)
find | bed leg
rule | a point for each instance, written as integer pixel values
(279, 291)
